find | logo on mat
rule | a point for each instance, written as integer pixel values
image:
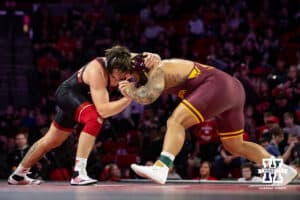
(272, 170)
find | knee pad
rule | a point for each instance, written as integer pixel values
(88, 115)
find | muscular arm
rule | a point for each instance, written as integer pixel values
(151, 90)
(99, 93)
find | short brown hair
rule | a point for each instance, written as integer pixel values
(118, 57)
(289, 115)
(248, 165)
(276, 131)
(23, 131)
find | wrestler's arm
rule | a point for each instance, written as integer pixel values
(100, 94)
(149, 92)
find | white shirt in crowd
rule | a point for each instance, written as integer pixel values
(254, 179)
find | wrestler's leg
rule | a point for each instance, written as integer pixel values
(181, 119)
(85, 145)
(53, 138)
(87, 115)
(231, 129)
(251, 151)
(81, 110)
(234, 143)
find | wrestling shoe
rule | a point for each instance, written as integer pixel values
(15, 179)
(82, 179)
(156, 173)
(288, 176)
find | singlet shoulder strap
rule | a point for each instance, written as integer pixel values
(80, 74)
(102, 63)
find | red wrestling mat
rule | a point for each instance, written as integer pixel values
(148, 191)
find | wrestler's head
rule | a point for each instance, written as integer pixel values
(139, 70)
(138, 63)
(118, 60)
(118, 57)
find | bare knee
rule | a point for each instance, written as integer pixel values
(180, 117)
(173, 120)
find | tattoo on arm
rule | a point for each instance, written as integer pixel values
(151, 90)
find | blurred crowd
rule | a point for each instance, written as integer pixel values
(255, 41)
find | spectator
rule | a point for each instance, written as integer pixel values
(292, 85)
(111, 172)
(205, 171)
(273, 148)
(152, 30)
(290, 126)
(264, 142)
(248, 174)
(47, 64)
(281, 104)
(296, 165)
(114, 173)
(270, 121)
(292, 149)
(226, 163)
(126, 174)
(196, 25)
(21, 148)
(250, 126)
(205, 146)
(277, 137)
(264, 94)
(146, 13)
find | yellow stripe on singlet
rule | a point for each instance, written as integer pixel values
(230, 133)
(225, 138)
(191, 112)
(194, 109)
(194, 73)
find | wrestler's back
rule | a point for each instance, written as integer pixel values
(188, 75)
(176, 71)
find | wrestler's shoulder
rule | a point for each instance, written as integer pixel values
(175, 61)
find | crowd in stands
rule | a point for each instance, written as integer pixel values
(255, 41)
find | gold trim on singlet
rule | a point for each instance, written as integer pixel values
(190, 108)
(228, 135)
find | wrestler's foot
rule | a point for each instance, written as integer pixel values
(15, 179)
(82, 179)
(290, 174)
(156, 173)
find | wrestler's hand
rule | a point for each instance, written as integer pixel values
(151, 59)
(122, 87)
